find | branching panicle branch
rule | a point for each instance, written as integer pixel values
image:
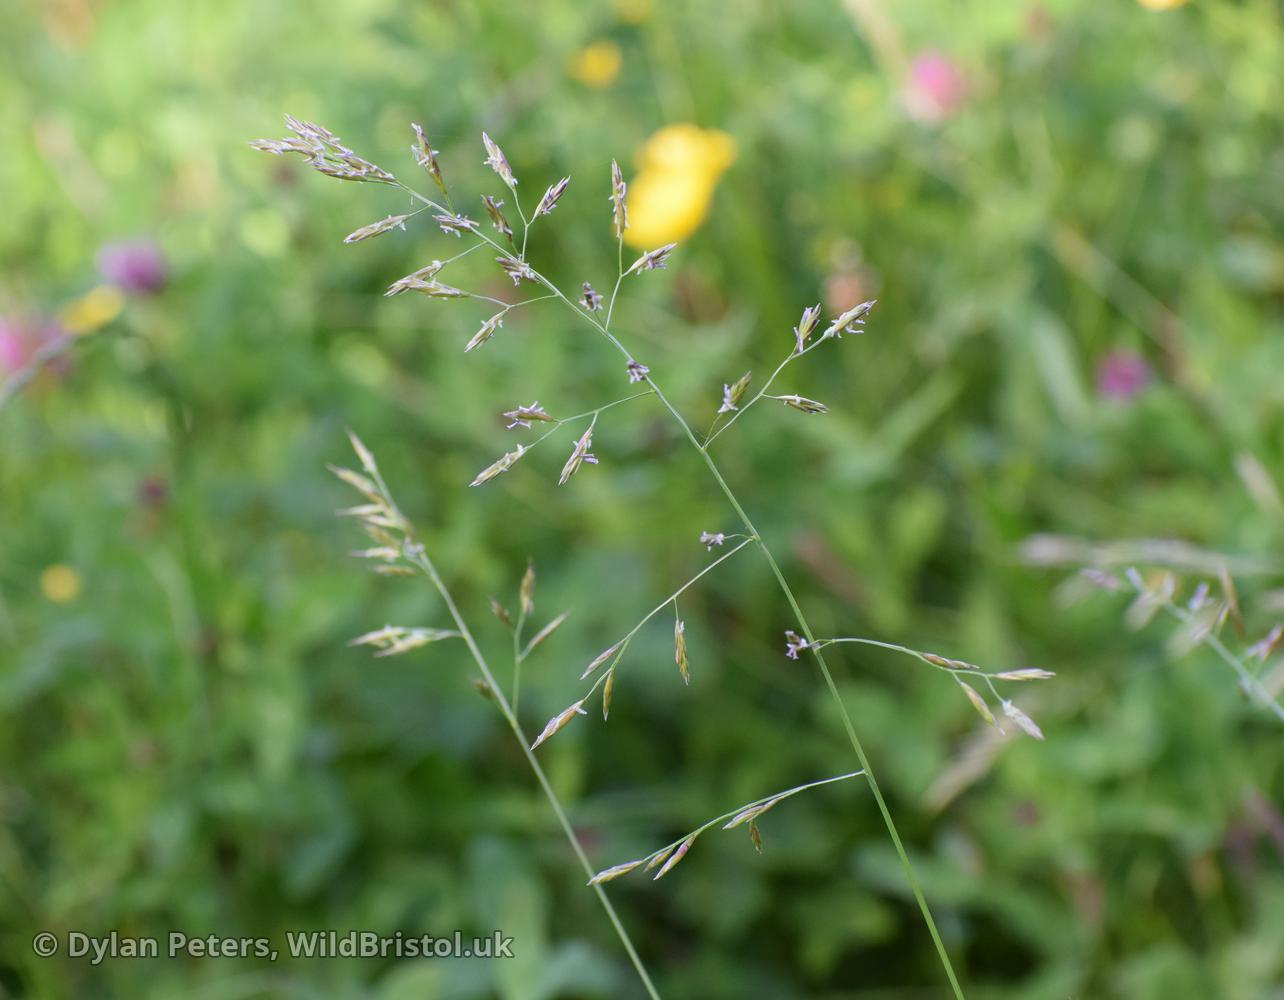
(385, 523)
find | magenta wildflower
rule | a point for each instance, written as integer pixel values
(138, 267)
(935, 88)
(1121, 375)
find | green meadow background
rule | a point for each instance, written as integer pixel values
(187, 743)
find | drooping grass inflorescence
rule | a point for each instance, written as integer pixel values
(1201, 618)
(1153, 573)
(324, 152)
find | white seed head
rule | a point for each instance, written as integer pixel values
(497, 161)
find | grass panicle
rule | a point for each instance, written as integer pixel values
(320, 148)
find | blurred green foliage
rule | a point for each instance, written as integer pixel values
(188, 744)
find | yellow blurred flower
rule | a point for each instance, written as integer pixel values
(60, 583)
(680, 166)
(95, 308)
(596, 65)
(1161, 4)
(633, 11)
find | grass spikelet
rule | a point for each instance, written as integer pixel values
(364, 455)
(680, 650)
(486, 332)
(557, 722)
(674, 858)
(658, 858)
(544, 633)
(359, 483)
(732, 394)
(421, 277)
(526, 591)
(394, 640)
(979, 703)
(501, 466)
(1232, 598)
(652, 260)
(1025, 674)
(516, 268)
(377, 228)
(619, 204)
(494, 209)
(497, 161)
(551, 197)
(579, 455)
(501, 612)
(1022, 720)
(806, 324)
(802, 403)
(849, 321)
(426, 157)
(601, 658)
(608, 689)
(608, 874)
